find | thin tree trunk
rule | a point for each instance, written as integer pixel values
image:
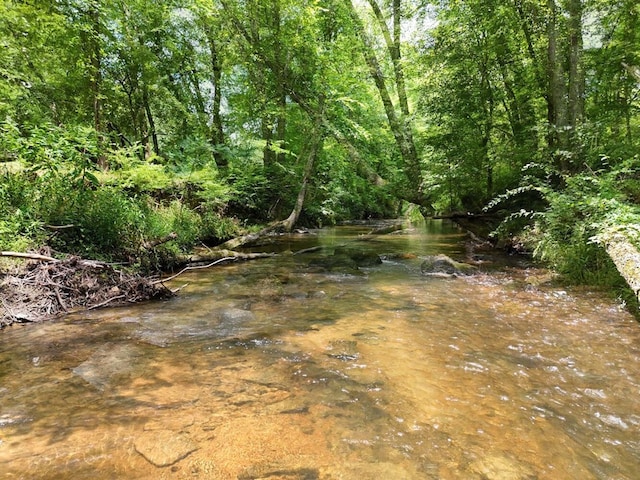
(401, 134)
(96, 79)
(281, 120)
(314, 147)
(576, 72)
(526, 30)
(150, 120)
(217, 131)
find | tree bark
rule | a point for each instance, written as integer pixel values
(556, 107)
(151, 122)
(217, 131)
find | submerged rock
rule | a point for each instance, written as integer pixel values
(336, 263)
(235, 315)
(107, 362)
(361, 256)
(378, 470)
(163, 448)
(499, 467)
(442, 264)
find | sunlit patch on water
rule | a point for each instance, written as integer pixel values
(277, 369)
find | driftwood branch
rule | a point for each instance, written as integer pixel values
(195, 267)
(107, 301)
(218, 254)
(60, 227)
(381, 231)
(29, 256)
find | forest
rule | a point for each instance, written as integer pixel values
(132, 131)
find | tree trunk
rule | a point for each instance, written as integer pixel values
(398, 124)
(95, 79)
(152, 124)
(626, 258)
(556, 106)
(217, 131)
(312, 152)
(576, 72)
(362, 167)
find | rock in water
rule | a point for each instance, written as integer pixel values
(107, 362)
(163, 448)
(336, 263)
(236, 315)
(498, 467)
(361, 256)
(441, 264)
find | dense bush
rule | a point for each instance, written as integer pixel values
(52, 192)
(574, 215)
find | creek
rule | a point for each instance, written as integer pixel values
(294, 368)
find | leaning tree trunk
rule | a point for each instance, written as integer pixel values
(313, 149)
(398, 123)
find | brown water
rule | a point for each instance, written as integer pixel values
(275, 369)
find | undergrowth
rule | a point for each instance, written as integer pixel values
(53, 193)
(566, 226)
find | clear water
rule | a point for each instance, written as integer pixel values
(279, 369)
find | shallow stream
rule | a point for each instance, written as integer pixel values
(297, 368)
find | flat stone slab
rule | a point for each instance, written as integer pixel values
(163, 448)
(107, 362)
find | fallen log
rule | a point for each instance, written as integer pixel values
(212, 258)
(243, 240)
(381, 231)
(148, 245)
(217, 254)
(626, 258)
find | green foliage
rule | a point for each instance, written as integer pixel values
(132, 121)
(54, 182)
(568, 233)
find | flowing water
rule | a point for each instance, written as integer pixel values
(295, 367)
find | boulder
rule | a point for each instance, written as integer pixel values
(235, 315)
(362, 257)
(107, 362)
(336, 263)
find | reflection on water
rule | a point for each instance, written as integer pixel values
(282, 369)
